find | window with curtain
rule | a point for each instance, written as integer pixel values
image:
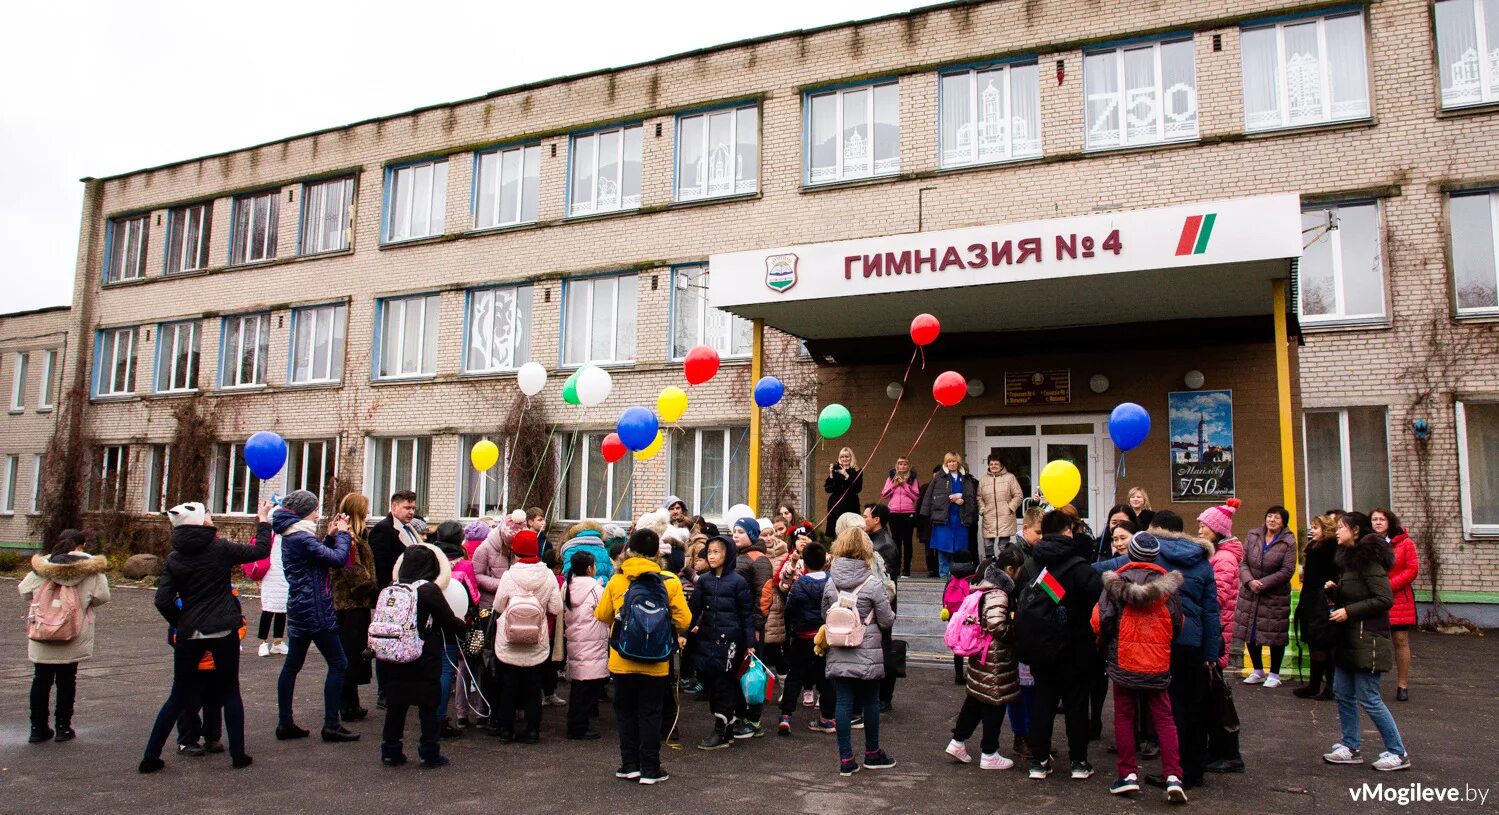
(114, 362)
(508, 186)
(1478, 466)
(8, 486)
(1347, 459)
(1341, 274)
(177, 357)
(254, 227)
(187, 237)
(499, 329)
(1141, 94)
(416, 200)
(482, 493)
(107, 486)
(1306, 71)
(394, 464)
(599, 319)
(158, 470)
(1468, 51)
(18, 383)
(126, 258)
(605, 168)
(694, 322)
(990, 114)
(36, 483)
(594, 488)
(235, 490)
(1474, 218)
(408, 337)
(327, 207)
(317, 344)
(710, 469)
(48, 398)
(853, 133)
(246, 344)
(311, 465)
(718, 153)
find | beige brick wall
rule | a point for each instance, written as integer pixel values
(25, 431)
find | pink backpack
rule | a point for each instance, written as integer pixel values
(957, 590)
(56, 615)
(523, 620)
(393, 634)
(845, 629)
(965, 629)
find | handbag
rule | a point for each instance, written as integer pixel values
(895, 659)
(476, 639)
(1221, 701)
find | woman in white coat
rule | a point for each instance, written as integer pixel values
(273, 590)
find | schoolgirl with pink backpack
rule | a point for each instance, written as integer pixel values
(960, 582)
(979, 634)
(60, 595)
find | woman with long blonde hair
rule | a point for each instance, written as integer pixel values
(843, 484)
(354, 593)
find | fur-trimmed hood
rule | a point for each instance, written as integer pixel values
(1177, 546)
(1371, 548)
(444, 567)
(70, 570)
(1141, 584)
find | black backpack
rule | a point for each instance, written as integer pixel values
(1041, 626)
(643, 632)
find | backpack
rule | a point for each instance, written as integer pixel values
(56, 615)
(844, 628)
(1041, 633)
(1142, 639)
(523, 620)
(965, 633)
(393, 634)
(643, 630)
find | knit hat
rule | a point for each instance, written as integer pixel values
(802, 530)
(962, 564)
(671, 501)
(1220, 519)
(418, 525)
(301, 502)
(765, 524)
(750, 526)
(189, 514)
(476, 531)
(1144, 547)
(525, 546)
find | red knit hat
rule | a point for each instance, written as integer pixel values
(1220, 519)
(525, 546)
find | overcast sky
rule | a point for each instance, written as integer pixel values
(98, 88)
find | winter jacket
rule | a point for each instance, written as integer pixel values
(587, 637)
(904, 497)
(1227, 555)
(1137, 655)
(753, 564)
(1057, 554)
(613, 603)
(1402, 575)
(843, 494)
(307, 561)
(1363, 590)
(723, 618)
(590, 541)
(867, 661)
(521, 579)
(354, 584)
(88, 577)
(999, 499)
(492, 558)
(388, 540)
(804, 605)
(419, 683)
(773, 601)
(994, 676)
(935, 504)
(273, 588)
(1201, 623)
(885, 548)
(1265, 617)
(197, 571)
(1318, 567)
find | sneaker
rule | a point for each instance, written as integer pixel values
(783, 727)
(1340, 754)
(627, 774)
(820, 725)
(654, 778)
(847, 767)
(1040, 769)
(809, 698)
(878, 760)
(1175, 793)
(1255, 678)
(1081, 770)
(994, 761)
(195, 750)
(1272, 681)
(1125, 783)
(857, 723)
(1389, 762)
(959, 751)
(281, 648)
(747, 730)
(265, 649)
(554, 701)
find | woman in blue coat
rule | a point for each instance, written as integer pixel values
(723, 632)
(950, 503)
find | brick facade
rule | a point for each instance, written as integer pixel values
(26, 426)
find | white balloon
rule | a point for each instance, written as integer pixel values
(594, 385)
(531, 378)
(738, 511)
(457, 596)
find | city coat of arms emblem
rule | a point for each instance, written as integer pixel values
(780, 272)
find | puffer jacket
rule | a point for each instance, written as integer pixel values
(587, 637)
(612, 605)
(994, 676)
(307, 562)
(197, 572)
(592, 542)
(753, 564)
(492, 558)
(526, 578)
(1201, 625)
(868, 660)
(273, 588)
(723, 617)
(1137, 655)
(88, 577)
(1227, 555)
(1402, 575)
(935, 503)
(773, 600)
(804, 605)
(999, 497)
(1265, 616)
(1363, 591)
(902, 497)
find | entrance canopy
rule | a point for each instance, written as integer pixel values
(1208, 260)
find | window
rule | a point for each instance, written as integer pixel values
(246, 350)
(408, 337)
(605, 171)
(415, 200)
(399, 464)
(485, 493)
(107, 487)
(317, 344)
(126, 258)
(311, 465)
(187, 238)
(598, 323)
(1347, 460)
(327, 208)
(853, 133)
(595, 488)
(235, 490)
(499, 329)
(253, 234)
(8, 487)
(710, 469)
(1341, 275)
(718, 153)
(1475, 234)
(176, 357)
(1305, 72)
(158, 469)
(1478, 466)
(1468, 51)
(114, 362)
(36, 483)
(991, 114)
(1141, 94)
(48, 398)
(508, 183)
(694, 322)
(18, 384)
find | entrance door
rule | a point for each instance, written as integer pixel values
(1026, 444)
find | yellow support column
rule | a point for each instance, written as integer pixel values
(1283, 399)
(757, 361)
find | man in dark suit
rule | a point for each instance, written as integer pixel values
(390, 537)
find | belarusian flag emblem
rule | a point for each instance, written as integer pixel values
(1196, 232)
(1051, 585)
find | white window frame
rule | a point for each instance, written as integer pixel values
(493, 177)
(494, 480)
(426, 367)
(1477, 67)
(1493, 202)
(332, 319)
(1465, 482)
(587, 145)
(105, 384)
(480, 329)
(185, 255)
(127, 250)
(243, 248)
(683, 278)
(1338, 317)
(304, 460)
(1121, 103)
(421, 453)
(8, 487)
(18, 382)
(158, 472)
(586, 441)
(167, 357)
(695, 497)
(36, 483)
(401, 185)
(1283, 103)
(110, 482)
(47, 397)
(708, 183)
(326, 219)
(236, 473)
(232, 375)
(570, 289)
(840, 171)
(1345, 454)
(961, 149)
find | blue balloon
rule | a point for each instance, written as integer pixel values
(768, 391)
(637, 428)
(265, 453)
(1129, 424)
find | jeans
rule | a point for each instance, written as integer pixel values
(1020, 711)
(190, 685)
(1156, 706)
(637, 711)
(808, 670)
(450, 658)
(520, 687)
(1189, 691)
(332, 648)
(1070, 686)
(902, 526)
(971, 714)
(864, 695)
(43, 677)
(1360, 689)
(944, 563)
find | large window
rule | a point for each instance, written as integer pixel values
(311, 465)
(48, 398)
(1141, 94)
(853, 133)
(126, 258)
(114, 362)
(8, 486)
(499, 329)
(482, 493)
(1305, 72)
(176, 357)
(246, 344)
(718, 153)
(1341, 275)
(158, 470)
(1347, 460)
(18, 383)
(599, 321)
(187, 238)
(253, 234)
(507, 186)
(694, 322)
(408, 337)
(395, 464)
(1478, 465)
(605, 171)
(710, 469)
(991, 114)
(1475, 234)
(107, 486)
(235, 490)
(327, 209)
(317, 344)
(416, 200)
(1468, 51)
(36, 483)
(594, 488)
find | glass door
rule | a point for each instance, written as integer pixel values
(1016, 445)
(1028, 444)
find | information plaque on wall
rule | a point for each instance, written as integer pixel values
(1202, 445)
(1050, 387)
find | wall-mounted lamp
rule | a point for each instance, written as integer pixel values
(1098, 383)
(1194, 379)
(1422, 429)
(975, 388)
(894, 390)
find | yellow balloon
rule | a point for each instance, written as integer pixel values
(1060, 482)
(484, 455)
(655, 447)
(671, 404)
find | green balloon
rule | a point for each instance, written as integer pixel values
(834, 421)
(570, 389)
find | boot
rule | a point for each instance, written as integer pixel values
(431, 756)
(1022, 748)
(719, 738)
(40, 733)
(391, 755)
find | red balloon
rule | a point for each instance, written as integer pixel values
(701, 364)
(950, 388)
(612, 448)
(924, 329)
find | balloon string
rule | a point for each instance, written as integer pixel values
(874, 453)
(1121, 471)
(566, 465)
(733, 451)
(811, 449)
(614, 507)
(923, 430)
(541, 464)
